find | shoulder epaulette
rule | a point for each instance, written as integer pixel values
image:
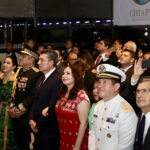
(126, 107)
(35, 69)
(1, 75)
(19, 67)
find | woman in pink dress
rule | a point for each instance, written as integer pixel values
(72, 111)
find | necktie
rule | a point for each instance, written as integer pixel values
(141, 132)
(98, 60)
(42, 80)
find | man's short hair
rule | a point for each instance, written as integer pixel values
(51, 55)
(120, 41)
(106, 42)
(72, 52)
(132, 54)
(144, 79)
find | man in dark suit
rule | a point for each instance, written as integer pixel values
(126, 90)
(46, 128)
(68, 45)
(102, 46)
(59, 66)
(142, 136)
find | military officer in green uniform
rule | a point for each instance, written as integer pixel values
(23, 93)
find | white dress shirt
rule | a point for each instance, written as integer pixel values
(127, 68)
(49, 73)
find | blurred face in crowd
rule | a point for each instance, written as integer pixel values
(68, 44)
(31, 43)
(45, 65)
(67, 77)
(107, 89)
(143, 96)
(101, 46)
(40, 48)
(8, 65)
(127, 45)
(25, 60)
(117, 45)
(58, 54)
(146, 56)
(72, 58)
(9, 47)
(109, 52)
(84, 61)
(140, 53)
(126, 59)
(95, 91)
(49, 47)
(76, 50)
(95, 45)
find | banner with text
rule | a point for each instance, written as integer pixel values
(131, 12)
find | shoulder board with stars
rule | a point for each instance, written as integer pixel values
(35, 69)
(126, 107)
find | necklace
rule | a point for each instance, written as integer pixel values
(7, 77)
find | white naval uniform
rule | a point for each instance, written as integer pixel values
(114, 125)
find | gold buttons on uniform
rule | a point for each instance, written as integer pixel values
(99, 129)
(109, 135)
(105, 108)
(98, 139)
(108, 127)
(102, 118)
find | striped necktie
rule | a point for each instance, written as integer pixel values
(98, 60)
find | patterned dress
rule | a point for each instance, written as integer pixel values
(7, 140)
(66, 111)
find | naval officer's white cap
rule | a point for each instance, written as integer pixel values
(110, 72)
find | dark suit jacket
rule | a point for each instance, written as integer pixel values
(147, 137)
(60, 68)
(113, 60)
(126, 90)
(46, 95)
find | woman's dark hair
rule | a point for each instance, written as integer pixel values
(89, 58)
(14, 60)
(78, 84)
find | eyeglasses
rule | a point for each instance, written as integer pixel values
(143, 91)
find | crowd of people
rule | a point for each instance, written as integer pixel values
(75, 100)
